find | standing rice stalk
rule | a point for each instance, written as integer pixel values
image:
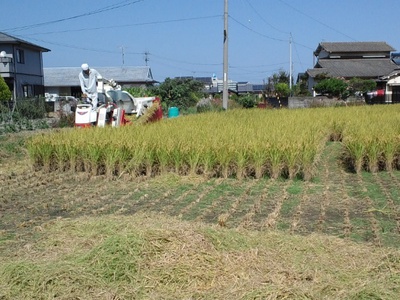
(92, 155)
(291, 160)
(134, 165)
(45, 152)
(257, 160)
(193, 160)
(149, 158)
(307, 157)
(225, 160)
(113, 157)
(241, 162)
(33, 147)
(373, 154)
(62, 156)
(208, 162)
(72, 155)
(275, 161)
(162, 157)
(389, 153)
(176, 157)
(355, 153)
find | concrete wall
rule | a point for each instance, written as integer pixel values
(304, 102)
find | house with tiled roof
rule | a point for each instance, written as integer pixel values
(392, 88)
(21, 66)
(365, 60)
(64, 81)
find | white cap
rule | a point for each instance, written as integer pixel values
(85, 67)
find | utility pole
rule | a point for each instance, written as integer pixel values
(290, 64)
(123, 54)
(146, 57)
(225, 71)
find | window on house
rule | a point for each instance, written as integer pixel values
(28, 91)
(20, 56)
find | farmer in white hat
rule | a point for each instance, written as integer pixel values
(88, 80)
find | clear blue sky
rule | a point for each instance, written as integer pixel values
(185, 37)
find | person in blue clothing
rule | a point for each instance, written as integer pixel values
(88, 80)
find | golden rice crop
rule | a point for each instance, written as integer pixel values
(240, 143)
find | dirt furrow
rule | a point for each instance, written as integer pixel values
(210, 209)
(394, 210)
(370, 212)
(327, 176)
(224, 217)
(199, 198)
(272, 218)
(247, 220)
(345, 201)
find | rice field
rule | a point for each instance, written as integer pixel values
(239, 143)
(74, 229)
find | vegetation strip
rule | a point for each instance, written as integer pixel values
(251, 143)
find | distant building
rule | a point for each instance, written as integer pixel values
(64, 81)
(213, 85)
(21, 66)
(365, 60)
(392, 88)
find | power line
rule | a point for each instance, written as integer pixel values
(126, 25)
(101, 10)
(314, 19)
(256, 32)
(263, 19)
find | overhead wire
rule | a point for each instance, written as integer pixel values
(126, 25)
(316, 20)
(263, 19)
(100, 10)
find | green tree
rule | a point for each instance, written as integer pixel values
(276, 78)
(301, 88)
(140, 92)
(282, 89)
(247, 100)
(5, 93)
(361, 85)
(331, 86)
(179, 92)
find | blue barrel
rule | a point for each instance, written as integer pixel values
(173, 112)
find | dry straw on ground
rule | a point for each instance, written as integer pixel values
(153, 257)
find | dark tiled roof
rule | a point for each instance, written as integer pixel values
(8, 39)
(333, 47)
(69, 76)
(395, 73)
(316, 71)
(367, 68)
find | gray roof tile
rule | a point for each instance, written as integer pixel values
(69, 76)
(367, 68)
(8, 39)
(335, 47)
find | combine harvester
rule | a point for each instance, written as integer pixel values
(114, 105)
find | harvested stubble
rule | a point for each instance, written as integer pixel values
(155, 257)
(241, 143)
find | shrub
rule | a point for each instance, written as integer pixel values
(331, 86)
(5, 93)
(247, 101)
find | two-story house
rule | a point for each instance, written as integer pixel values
(365, 60)
(21, 66)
